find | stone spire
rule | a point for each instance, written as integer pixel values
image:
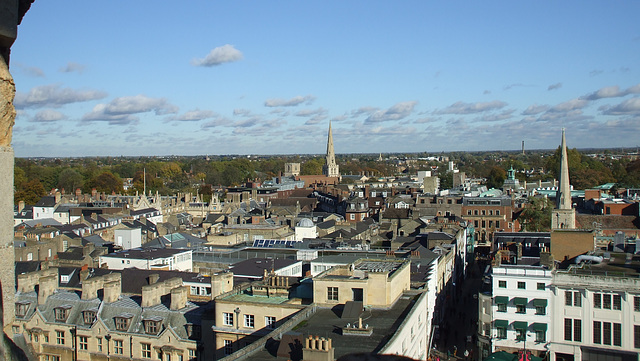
(563, 196)
(330, 168)
(563, 216)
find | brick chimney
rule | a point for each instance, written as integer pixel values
(318, 349)
(20, 206)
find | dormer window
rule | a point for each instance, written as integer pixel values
(89, 317)
(193, 331)
(152, 325)
(22, 308)
(61, 313)
(122, 322)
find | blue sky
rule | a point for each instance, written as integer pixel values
(266, 77)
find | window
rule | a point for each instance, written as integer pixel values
(597, 332)
(502, 284)
(118, 347)
(572, 298)
(99, 340)
(522, 285)
(540, 336)
(497, 224)
(636, 336)
(568, 334)
(497, 212)
(60, 337)
(146, 350)
(521, 308)
(51, 358)
(89, 317)
(606, 301)
(636, 303)
(249, 321)
(332, 293)
(22, 308)
(597, 300)
(61, 313)
(352, 216)
(192, 355)
(617, 302)
(152, 326)
(502, 307)
(606, 333)
(228, 347)
(501, 332)
(617, 334)
(540, 286)
(83, 342)
(227, 319)
(270, 322)
(577, 330)
(46, 338)
(541, 310)
(122, 323)
(520, 334)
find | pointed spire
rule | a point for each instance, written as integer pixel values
(563, 197)
(330, 168)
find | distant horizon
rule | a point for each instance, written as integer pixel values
(550, 150)
(227, 78)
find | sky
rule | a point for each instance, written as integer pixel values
(116, 78)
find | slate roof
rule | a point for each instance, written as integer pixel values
(46, 201)
(254, 267)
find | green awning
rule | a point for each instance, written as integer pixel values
(520, 301)
(501, 299)
(501, 323)
(539, 327)
(519, 325)
(539, 302)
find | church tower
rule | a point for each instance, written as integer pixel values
(563, 216)
(330, 168)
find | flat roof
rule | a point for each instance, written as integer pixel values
(327, 323)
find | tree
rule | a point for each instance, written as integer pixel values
(536, 216)
(312, 166)
(70, 180)
(106, 182)
(446, 181)
(31, 193)
(496, 177)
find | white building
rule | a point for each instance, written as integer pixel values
(151, 259)
(596, 314)
(516, 315)
(128, 238)
(306, 229)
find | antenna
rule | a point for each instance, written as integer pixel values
(144, 181)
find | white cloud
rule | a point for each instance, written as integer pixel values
(507, 114)
(612, 92)
(54, 96)
(195, 115)
(628, 107)
(220, 55)
(31, 70)
(72, 67)
(535, 109)
(363, 111)
(396, 112)
(471, 108)
(297, 100)
(121, 110)
(48, 115)
(554, 86)
(570, 105)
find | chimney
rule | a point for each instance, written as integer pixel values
(90, 288)
(221, 283)
(519, 251)
(179, 297)
(112, 291)
(20, 206)
(58, 196)
(546, 259)
(27, 282)
(47, 286)
(152, 294)
(153, 278)
(318, 349)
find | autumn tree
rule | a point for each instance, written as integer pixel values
(536, 216)
(30, 193)
(70, 180)
(105, 182)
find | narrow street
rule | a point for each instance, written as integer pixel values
(457, 334)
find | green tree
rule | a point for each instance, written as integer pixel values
(70, 180)
(446, 180)
(496, 177)
(312, 166)
(536, 216)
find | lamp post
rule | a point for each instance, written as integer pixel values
(74, 332)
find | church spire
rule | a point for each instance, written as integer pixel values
(563, 216)
(330, 168)
(563, 197)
